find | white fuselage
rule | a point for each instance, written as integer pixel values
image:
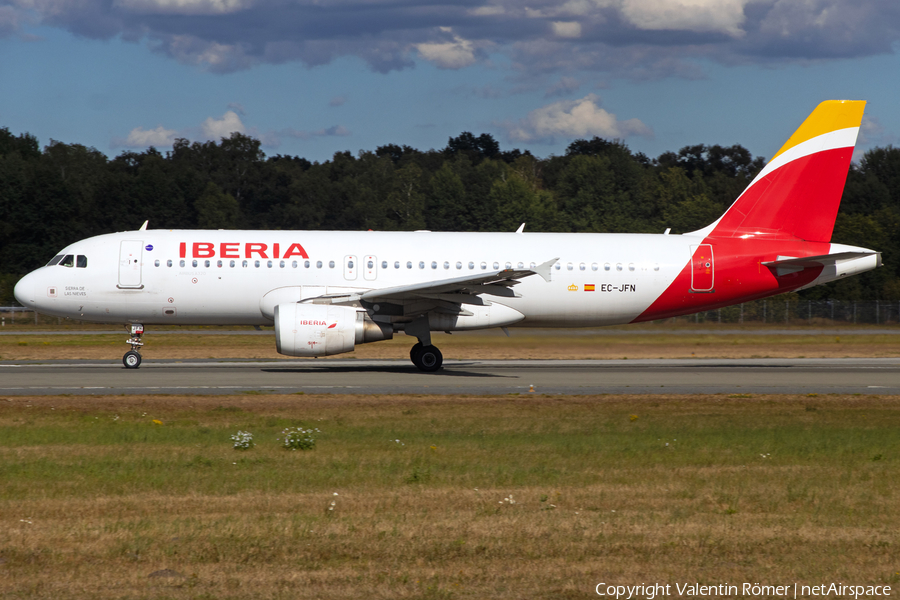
(219, 277)
(198, 277)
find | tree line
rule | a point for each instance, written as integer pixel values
(53, 196)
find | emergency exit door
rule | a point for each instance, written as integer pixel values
(130, 253)
(702, 268)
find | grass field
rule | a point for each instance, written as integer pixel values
(619, 343)
(521, 496)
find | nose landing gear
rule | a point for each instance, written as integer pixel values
(132, 358)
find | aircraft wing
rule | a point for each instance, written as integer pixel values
(494, 283)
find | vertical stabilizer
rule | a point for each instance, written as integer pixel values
(797, 194)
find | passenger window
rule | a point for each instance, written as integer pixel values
(318, 264)
(396, 264)
(206, 263)
(618, 266)
(55, 260)
(594, 266)
(269, 264)
(231, 264)
(67, 261)
(569, 266)
(581, 267)
(181, 263)
(520, 265)
(631, 266)
(384, 264)
(294, 264)
(446, 265)
(245, 264)
(193, 263)
(496, 265)
(509, 265)
(305, 264)
(155, 263)
(421, 264)
(349, 264)
(459, 265)
(532, 266)
(471, 266)
(409, 264)
(370, 264)
(483, 266)
(606, 267)
(81, 261)
(219, 263)
(330, 264)
(434, 264)
(169, 263)
(557, 266)
(256, 263)
(281, 264)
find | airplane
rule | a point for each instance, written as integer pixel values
(326, 291)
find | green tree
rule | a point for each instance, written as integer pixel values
(216, 209)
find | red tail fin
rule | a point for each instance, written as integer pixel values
(797, 195)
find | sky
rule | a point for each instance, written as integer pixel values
(313, 77)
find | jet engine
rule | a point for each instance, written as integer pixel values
(324, 329)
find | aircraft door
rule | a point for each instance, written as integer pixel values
(130, 254)
(351, 267)
(702, 268)
(370, 264)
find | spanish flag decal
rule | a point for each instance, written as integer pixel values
(589, 287)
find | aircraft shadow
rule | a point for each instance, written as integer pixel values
(385, 369)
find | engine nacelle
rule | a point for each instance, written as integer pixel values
(324, 329)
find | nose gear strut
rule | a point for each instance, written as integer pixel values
(132, 358)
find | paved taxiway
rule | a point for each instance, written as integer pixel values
(349, 376)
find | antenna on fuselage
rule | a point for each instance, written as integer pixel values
(144, 226)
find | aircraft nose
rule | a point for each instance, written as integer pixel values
(24, 291)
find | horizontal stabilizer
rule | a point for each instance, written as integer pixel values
(785, 265)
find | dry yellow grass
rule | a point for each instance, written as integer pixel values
(511, 497)
(523, 344)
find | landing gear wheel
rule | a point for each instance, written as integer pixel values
(414, 351)
(428, 359)
(131, 360)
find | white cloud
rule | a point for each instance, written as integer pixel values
(566, 29)
(337, 101)
(215, 129)
(487, 11)
(724, 16)
(574, 119)
(183, 7)
(448, 55)
(144, 138)
(219, 58)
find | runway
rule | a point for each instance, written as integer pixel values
(475, 377)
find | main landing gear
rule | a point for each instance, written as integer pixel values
(426, 358)
(132, 358)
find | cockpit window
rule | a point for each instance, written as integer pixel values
(81, 261)
(55, 260)
(67, 261)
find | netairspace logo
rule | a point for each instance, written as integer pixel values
(650, 591)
